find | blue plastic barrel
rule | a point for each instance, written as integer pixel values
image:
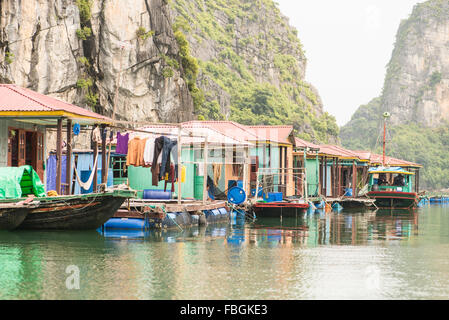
(236, 195)
(125, 223)
(157, 194)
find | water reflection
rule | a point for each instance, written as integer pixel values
(319, 255)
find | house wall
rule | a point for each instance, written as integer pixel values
(140, 178)
(290, 179)
(312, 177)
(4, 125)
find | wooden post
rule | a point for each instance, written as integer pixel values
(245, 170)
(306, 191)
(103, 155)
(318, 187)
(59, 156)
(354, 179)
(325, 176)
(94, 186)
(68, 172)
(179, 164)
(205, 171)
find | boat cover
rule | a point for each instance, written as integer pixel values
(17, 182)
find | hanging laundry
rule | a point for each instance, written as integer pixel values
(216, 168)
(200, 169)
(122, 143)
(149, 152)
(141, 150)
(133, 152)
(155, 168)
(174, 156)
(167, 147)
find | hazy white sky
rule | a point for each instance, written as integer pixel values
(348, 43)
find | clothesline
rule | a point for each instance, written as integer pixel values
(159, 133)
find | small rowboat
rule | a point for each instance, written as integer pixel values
(74, 212)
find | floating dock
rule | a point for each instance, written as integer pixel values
(145, 214)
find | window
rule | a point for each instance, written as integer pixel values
(118, 165)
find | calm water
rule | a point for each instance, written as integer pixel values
(315, 256)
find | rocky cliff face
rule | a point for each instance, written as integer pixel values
(248, 54)
(171, 60)
(416, 93)
(75, 50)
(416, 87)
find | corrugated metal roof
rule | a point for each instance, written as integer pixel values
(300, 143)
(279, 134)
(229, 128)
(198, 134)
(17, 99)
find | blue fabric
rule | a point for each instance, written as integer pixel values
(51, 171)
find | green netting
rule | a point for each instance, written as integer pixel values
(17, 182)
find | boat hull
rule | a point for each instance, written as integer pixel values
(11, 218)
(278, 209)
(89, 213)
(394, 199)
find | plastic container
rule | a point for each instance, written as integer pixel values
(273, 197)
(235, 183)
(348, 192)
(198, 187)
(253, 192)
(125, 223)
(236, 195)
(157, 194)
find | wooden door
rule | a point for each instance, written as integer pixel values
(22, 148)
(38, 154)
(254, 168)
(10, 145)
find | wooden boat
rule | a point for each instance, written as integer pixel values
(391, 187)
(74, 212)
(279, 208)
(386, 193)
(13, 214)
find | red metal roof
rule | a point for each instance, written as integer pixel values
(229, 128)
(338, 151)
(300, 143)
(390, 161)
(279, 134)
(18, 99)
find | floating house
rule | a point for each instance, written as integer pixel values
(24, 117)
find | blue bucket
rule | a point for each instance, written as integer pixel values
(348, 192)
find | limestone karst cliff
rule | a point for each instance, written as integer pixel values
(416, 93)
(75, 50)
(179, 60)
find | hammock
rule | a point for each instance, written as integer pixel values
(86, 185)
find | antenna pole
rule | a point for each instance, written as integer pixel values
(386, 116)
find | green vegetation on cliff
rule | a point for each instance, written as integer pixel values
(255, 58)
